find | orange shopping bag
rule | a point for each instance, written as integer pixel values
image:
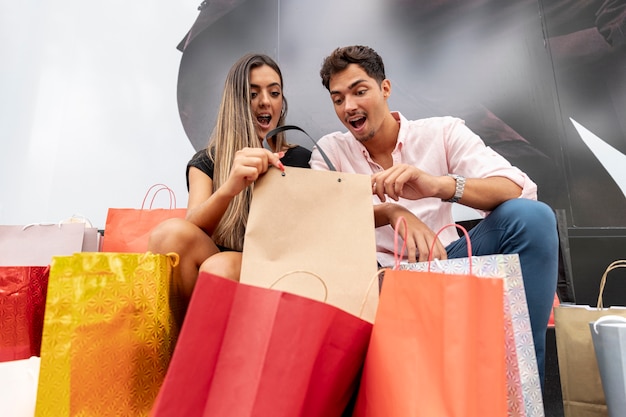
(437, 347)
(127, 230)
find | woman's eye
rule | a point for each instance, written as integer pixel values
(276, 94)
(253, 95)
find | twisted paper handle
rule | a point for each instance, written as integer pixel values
(614, 265)
(399, 254)
(301, 271)
(163, 187)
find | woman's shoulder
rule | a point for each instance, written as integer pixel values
(201, 161)
(297, 156)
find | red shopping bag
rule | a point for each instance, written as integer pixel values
(128, 230)
(250, 351)
(437, 347)
(22, 304)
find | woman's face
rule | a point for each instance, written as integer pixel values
(266, 99)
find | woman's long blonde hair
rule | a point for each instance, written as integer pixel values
(235, 129)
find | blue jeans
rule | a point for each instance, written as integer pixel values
(528, 228)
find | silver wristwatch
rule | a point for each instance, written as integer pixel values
(460, 187)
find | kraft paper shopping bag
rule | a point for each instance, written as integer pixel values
(581, 385)
(315, 221)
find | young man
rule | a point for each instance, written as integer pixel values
(420, 167)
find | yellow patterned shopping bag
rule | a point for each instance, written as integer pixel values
(109, 332)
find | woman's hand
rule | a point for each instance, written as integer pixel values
(248, 165)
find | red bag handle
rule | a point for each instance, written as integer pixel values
(398, 254)
(162, 187)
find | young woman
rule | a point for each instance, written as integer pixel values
(210, 238)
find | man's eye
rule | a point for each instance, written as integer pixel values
(361, 92)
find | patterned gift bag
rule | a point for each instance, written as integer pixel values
(109, 332)
(22, 302)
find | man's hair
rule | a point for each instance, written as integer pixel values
(364, 56)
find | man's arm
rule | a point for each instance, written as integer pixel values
(412, 183)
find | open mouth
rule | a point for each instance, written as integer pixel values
(264, 120)
(357, 123)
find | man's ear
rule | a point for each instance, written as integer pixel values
(385, 86)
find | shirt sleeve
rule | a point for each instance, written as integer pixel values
(201, 161)
(469, 156)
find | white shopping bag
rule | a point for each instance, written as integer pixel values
(609, 342)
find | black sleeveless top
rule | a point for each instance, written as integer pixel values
(297, 156)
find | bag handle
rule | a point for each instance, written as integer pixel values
(375, 278)
(467, 240)
(272, 133)
(162, 188)
(398, 254)
(302, 271)
(320, 279)
(614, 265)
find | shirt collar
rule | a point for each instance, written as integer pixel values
(403, 129)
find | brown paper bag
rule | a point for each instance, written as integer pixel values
(319, 222)
(583, 395)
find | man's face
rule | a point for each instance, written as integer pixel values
(360, 103)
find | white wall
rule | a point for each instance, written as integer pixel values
(88, 111)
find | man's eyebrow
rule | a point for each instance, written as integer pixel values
(351, 86)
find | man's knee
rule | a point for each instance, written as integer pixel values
(530, 212)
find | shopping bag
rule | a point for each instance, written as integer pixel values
(316, 221)
(524, 397)
(108, 334)
(92, 239)
(25, 255)
(18, 387)
(437, 347)
(128, 230)
(608, 334)
(249, 351)
(36, 244)
(581, 385)
(22, 303)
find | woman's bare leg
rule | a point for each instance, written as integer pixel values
(192, 245)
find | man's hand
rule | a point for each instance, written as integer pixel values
(404, 181)
(417, 236)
